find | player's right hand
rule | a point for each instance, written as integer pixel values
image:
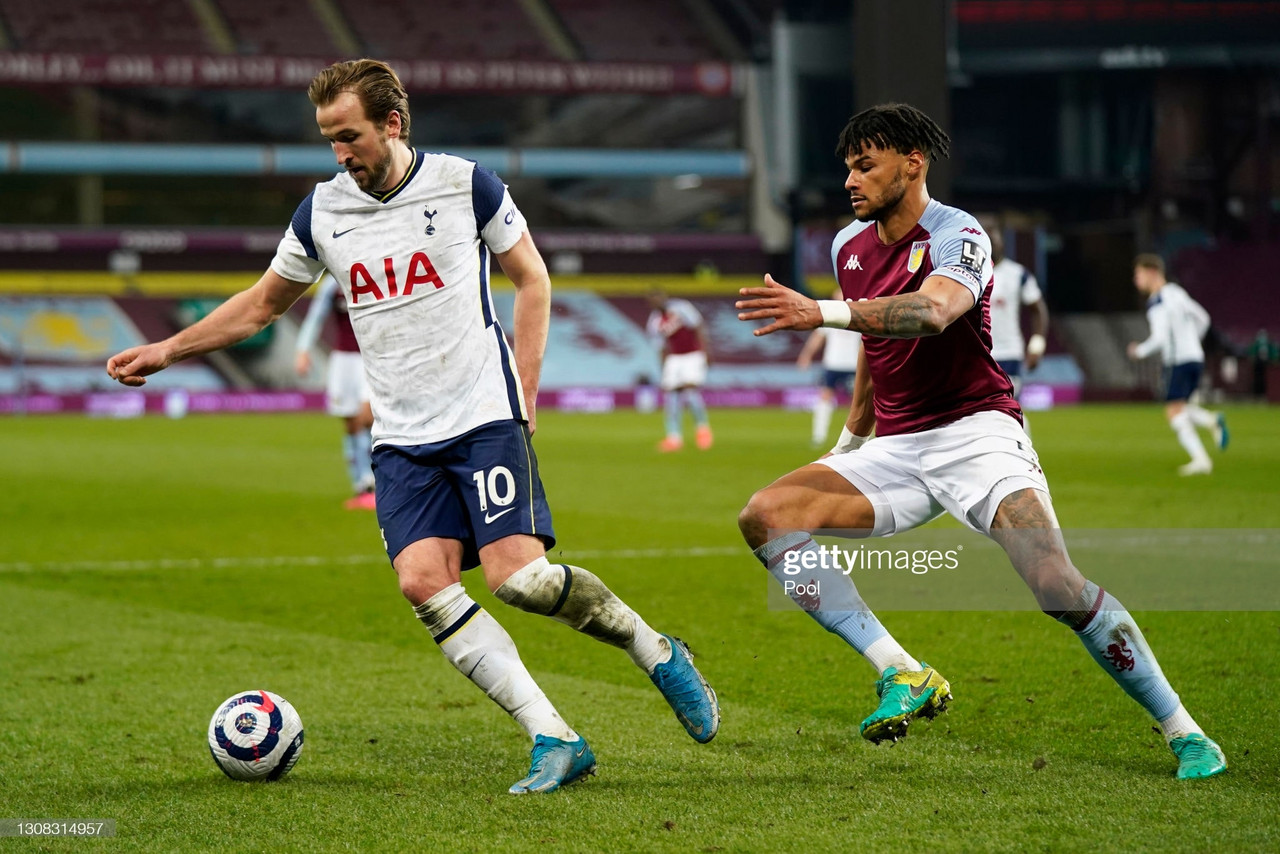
(131, 366)
(787, 309)
(302, 363)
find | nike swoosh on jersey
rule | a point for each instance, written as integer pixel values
(338, 234)
(917, 690)
(489, 520)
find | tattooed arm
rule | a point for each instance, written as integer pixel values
(928, 311)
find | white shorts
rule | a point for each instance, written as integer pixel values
(347, 390)
(965, 468)
(683, 369)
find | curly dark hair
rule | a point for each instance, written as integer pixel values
(898, 126)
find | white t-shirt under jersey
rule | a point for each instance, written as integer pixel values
(1014, 287)
(414, 265)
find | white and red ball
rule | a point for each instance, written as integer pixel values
(255, 735)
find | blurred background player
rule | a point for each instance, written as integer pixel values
(839, 365)
(1014, 287)
(346, 391)
(1178, 323)
(682, 337)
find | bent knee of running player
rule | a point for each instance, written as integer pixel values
(807, 499)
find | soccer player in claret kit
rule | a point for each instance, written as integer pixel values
(916, 276)
(346, 391)
(409, 236)
(681, 334)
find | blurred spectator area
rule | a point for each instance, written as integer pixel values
(654, 31)
(590, 30)
(104, 26)
(466, 29)
(274, 27)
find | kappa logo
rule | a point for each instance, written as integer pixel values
(853, 263)
(429, 214)
(969, 230)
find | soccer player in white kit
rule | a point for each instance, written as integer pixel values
(346, 392)
(916, 276)
(1014, 287)
(409, 236)
(1178, 323)
(840, 351)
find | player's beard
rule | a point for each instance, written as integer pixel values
(374, 176)
(888, 201)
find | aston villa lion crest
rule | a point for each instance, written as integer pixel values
(917, 255)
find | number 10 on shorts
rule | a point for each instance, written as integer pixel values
(498, 486)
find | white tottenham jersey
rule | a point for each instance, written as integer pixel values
(414, 265)
(840, 348)
(1014, 287)
(1178, 323)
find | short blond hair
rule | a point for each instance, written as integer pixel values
(375, 83)
(1150, 261)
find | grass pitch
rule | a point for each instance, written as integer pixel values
(149, 569)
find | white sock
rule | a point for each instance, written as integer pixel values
(1188, 438)
(887, 652)
(577, 598)
(822, 409)
(1178, 724)
(1201, 417)
(482, 651)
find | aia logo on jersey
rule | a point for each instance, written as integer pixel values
(431, 229)
(916, 258)
(420, 272)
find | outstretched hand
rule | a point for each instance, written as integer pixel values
(787, 309)
(131, 366)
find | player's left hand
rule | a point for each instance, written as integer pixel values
(787, 309)
(1132, 350)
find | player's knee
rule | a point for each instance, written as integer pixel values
(415, 588)
(763, 511)
(418, 584)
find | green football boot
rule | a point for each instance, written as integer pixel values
(1198, 756)
(905, 695)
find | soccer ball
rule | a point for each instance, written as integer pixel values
(255, 735)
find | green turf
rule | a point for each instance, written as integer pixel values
(149, 569)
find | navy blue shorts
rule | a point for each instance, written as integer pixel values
(1011, 367)
(476, 488)
(837, 381)
(1180, 381)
